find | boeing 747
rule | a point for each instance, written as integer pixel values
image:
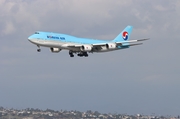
(82, 46)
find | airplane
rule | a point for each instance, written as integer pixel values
(82, 46)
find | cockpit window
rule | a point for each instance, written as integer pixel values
(36, 32)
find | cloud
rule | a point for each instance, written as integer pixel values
(9, 28)
(100, 75)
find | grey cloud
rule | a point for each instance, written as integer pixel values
(141, 79)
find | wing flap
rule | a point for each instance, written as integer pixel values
(72, 45)
(99, 44)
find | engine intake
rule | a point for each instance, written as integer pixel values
(55, 50)
(86, 48)
(111, 46)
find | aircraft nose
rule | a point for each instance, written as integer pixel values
(31, 39)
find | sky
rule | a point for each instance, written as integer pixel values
(140, 80)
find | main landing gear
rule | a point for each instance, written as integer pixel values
(80, 54)
(71, 54)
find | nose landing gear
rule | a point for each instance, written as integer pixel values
(38, 50)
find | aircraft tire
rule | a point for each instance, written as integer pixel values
(38, 50)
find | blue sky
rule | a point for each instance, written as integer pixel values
(143, 79)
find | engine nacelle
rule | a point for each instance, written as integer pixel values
(86, 48)
(56, 50)
(111, 46)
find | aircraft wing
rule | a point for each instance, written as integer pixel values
(124, 43)
(132, 41)
(97, 46)
(94, 46)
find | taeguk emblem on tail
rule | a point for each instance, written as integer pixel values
(125, 35)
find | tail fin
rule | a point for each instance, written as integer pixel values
(124, 35)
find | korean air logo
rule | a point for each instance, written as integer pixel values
(125, 35)
(49, 36)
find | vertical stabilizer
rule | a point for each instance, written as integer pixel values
(124, 35)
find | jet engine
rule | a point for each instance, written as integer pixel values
(55, 50)
(86, 48)
(111, 46)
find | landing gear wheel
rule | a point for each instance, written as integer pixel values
(80, 55)
(85, 54)
(39, 50)
(71, 54)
